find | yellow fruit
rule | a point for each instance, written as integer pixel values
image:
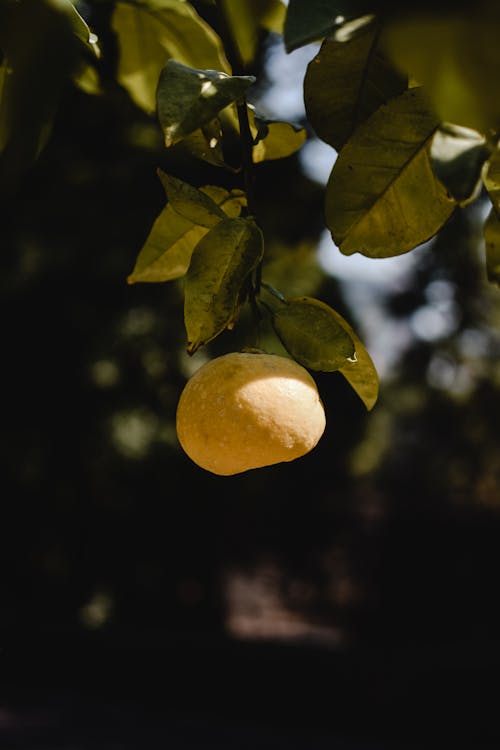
(246, 410)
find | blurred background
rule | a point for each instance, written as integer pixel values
(346, 600)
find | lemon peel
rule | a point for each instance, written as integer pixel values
(243, 411)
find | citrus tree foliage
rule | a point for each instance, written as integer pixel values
(406, 96)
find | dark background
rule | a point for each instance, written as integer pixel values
(346, 600)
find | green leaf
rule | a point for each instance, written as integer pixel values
(319, 337)
(274, 139)
(492, 246)
(272, 15)
(244, 28)
(166, 254)
(82, 31)
(41, 52)
(456, 56)
(312, 334)
(220, 264)
(361, 373)
(87, 79)
(311, 20)
(205, 143)
(231, 202)
(457, 156)
(151, 32)
(293, 267)
(382, 197)
(246, 19)
(346, 82)
(492, 179)
(5, 72)
(188, 98)
(189, 202)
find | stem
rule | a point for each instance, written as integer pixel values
(275, 293)
(246, 138)
(247, 164)
(246, 141)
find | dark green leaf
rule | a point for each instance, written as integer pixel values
(151, 32)
(346, 82)
(492, 246)
(457, 156)
(382, 197)
(312, 334)
(311, 20)
(188, 98)
(220, 264)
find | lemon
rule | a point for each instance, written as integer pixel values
(246, 410)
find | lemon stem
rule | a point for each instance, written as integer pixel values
(238, 68)
(254, 282)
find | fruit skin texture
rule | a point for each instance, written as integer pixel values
(245, 410)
